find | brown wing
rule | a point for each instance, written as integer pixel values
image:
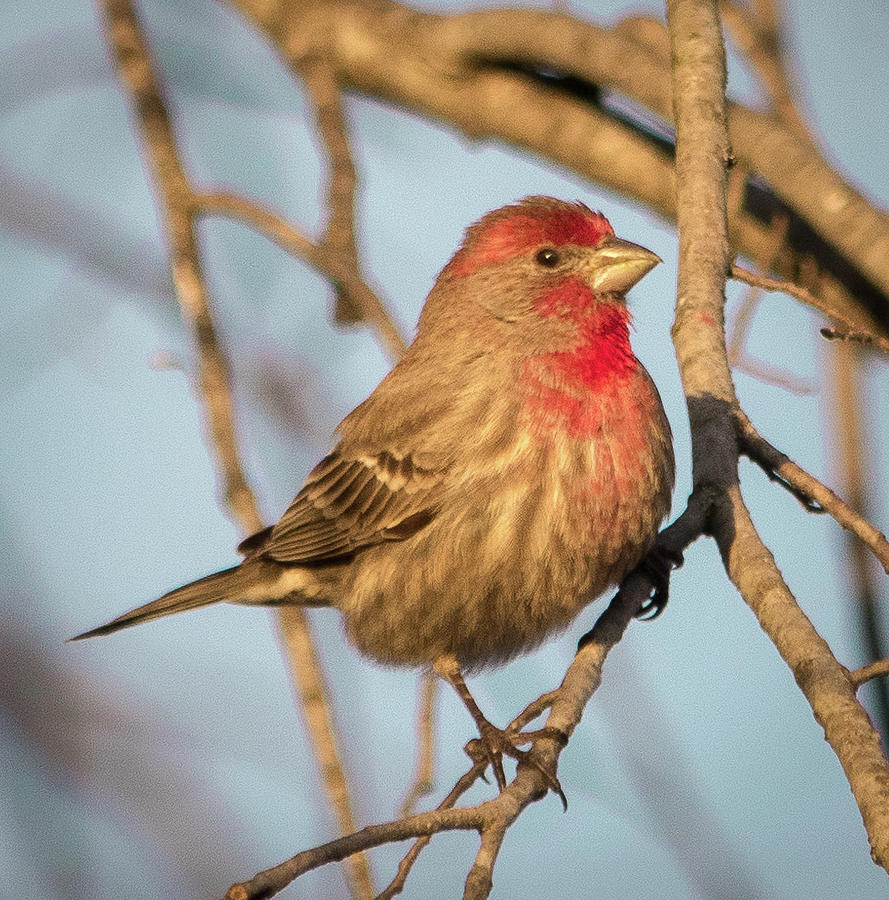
(348, 504)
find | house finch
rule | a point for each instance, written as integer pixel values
(515, 463)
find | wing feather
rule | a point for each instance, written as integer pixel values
(349, 504)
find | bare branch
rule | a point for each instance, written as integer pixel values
(808, 488)
(421, 784)
(699, 80)
(877, 669)
(270, 881)
(321, 257)
(176, 200)
(776, 377)
(738, 357)
(339, 237)
(847, 329)
(480, 879)
(465, 782)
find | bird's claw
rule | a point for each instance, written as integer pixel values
(657, 566)
(493, 743)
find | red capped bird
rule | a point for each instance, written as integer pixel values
(511, 467)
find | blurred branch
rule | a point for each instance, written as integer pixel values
(421, 784)
(339, 236)
(848, 423)
(757, 36)
(322, 257)
(177, 209)
(738, 356)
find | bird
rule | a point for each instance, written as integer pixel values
(513, 465)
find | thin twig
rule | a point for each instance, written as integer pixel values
(739, 359)
(339, 236)
(421, 783)
(776, 377)
(320, 257)
(466, 781)
(847, 330)
(809, 489)
(867, 673)
(176, 200)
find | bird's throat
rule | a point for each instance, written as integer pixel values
(570, 389)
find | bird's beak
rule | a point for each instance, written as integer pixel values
(616, 265)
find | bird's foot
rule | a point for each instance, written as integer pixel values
(493, 743)
(657, 565)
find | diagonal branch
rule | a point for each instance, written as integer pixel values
(847, 329)
(773, 462)
(320, 257)
(177, 209)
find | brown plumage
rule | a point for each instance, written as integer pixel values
(509, 469)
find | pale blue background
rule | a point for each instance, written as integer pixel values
(169, 760)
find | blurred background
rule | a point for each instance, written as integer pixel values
(169, 760)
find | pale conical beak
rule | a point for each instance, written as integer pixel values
(616, 265)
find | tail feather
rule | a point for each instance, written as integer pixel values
(229, 584)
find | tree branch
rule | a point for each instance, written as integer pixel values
(339, 236)
(847, 330)
(774, 463)
(321, 257)
(176, 201)
(699, 80)
(877, 669)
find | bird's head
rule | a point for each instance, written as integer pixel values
(546, 270)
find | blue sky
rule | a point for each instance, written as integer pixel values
(169, 760)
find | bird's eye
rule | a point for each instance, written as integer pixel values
(547, 257)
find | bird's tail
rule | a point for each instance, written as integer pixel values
(235, 584)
